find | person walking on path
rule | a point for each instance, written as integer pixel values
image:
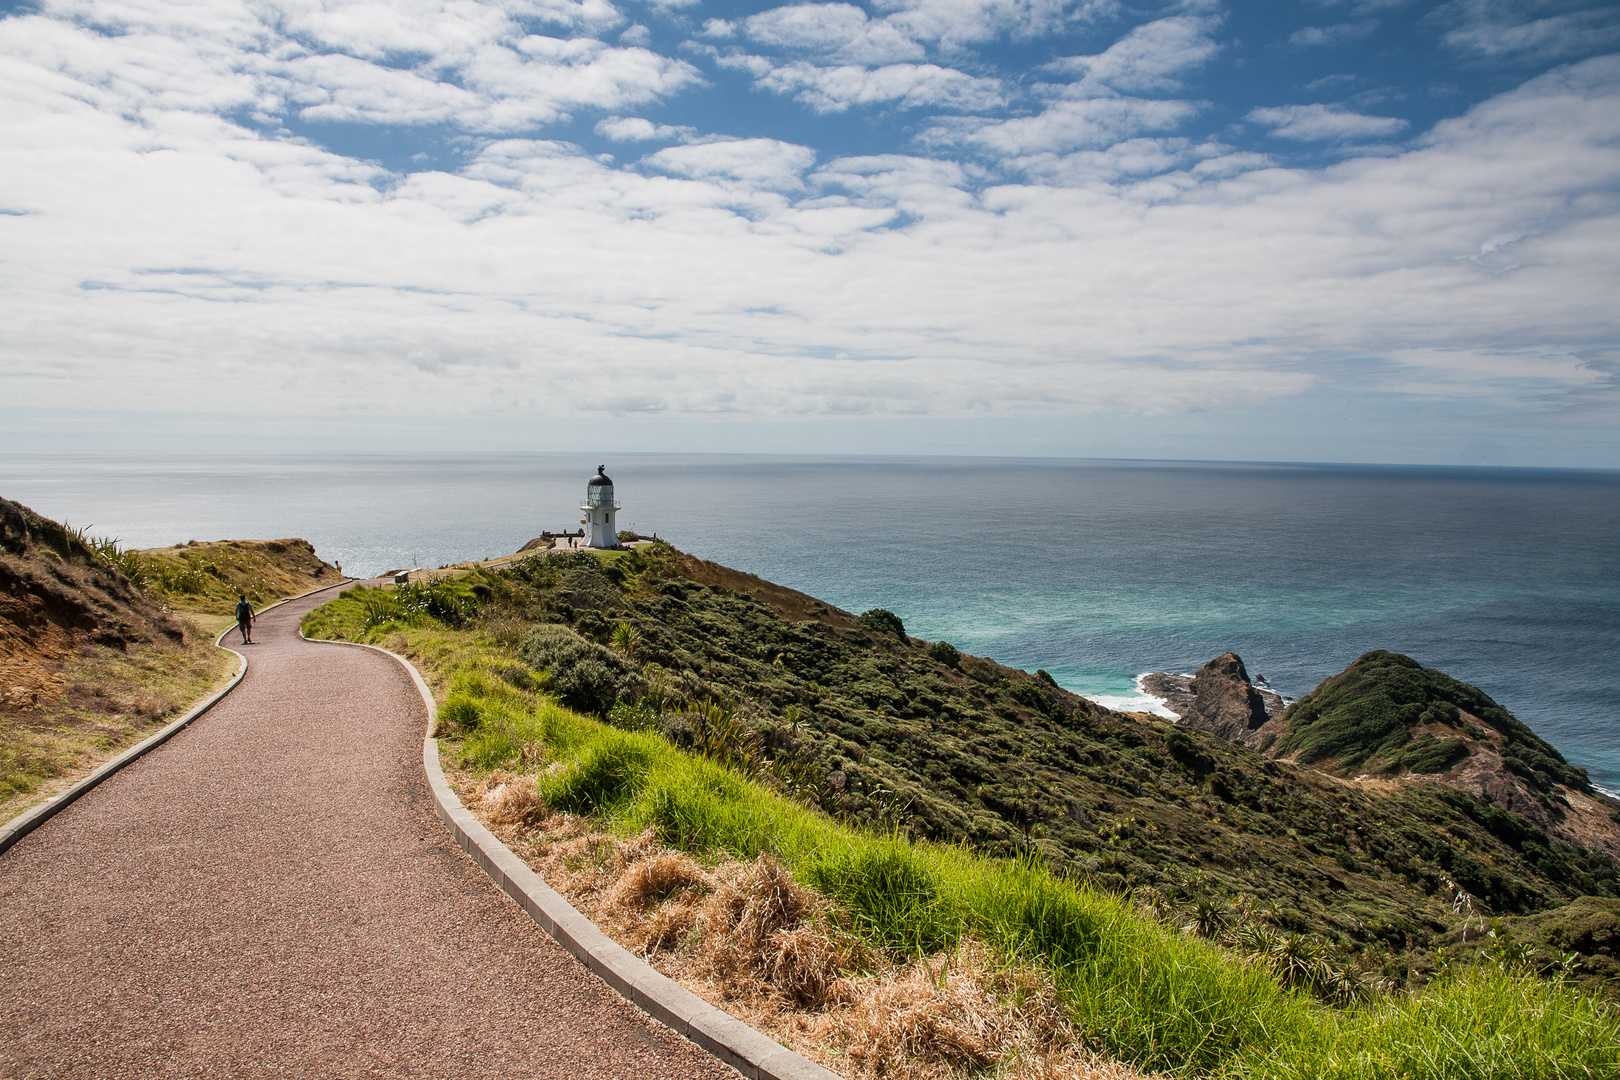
(244, 617)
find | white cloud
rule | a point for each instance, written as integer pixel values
(377, 31)
(1063, 125)
(1149, 59)
(908, 86)
(764, 163)
(153, 237)
(853, 60)
(1311, 123)
(545, 78)
(953, 24)
(636, 129)
(431, 62)
(333, 86)
(1518, 31)
(1337, 34)
(841, 33)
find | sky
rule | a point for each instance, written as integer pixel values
(1324, 230)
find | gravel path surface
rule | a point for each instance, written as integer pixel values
(270, 894)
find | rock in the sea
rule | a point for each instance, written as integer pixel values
(1175, 691)
(1221, 699)
(1224, 702)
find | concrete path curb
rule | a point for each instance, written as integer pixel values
(35, 816)
(756, 1056)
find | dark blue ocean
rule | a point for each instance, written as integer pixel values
(1097, 571)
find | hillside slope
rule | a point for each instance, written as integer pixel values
(900, 733)
(99, 646)
(207, 577)
(57, 596)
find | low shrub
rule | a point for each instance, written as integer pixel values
(586, 676)
(880, 621)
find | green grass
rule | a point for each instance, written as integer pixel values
(1484, 1024)
(1139, 990)
(1160, 1000)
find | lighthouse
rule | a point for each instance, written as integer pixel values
(601, 531)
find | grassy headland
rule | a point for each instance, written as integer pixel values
(204, 579)
(931, 798)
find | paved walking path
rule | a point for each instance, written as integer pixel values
(270, 894)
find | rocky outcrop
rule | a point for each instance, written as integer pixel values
(1173, 691)
(1225, 703)
(1219, 699)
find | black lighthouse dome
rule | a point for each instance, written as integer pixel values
(599, 491)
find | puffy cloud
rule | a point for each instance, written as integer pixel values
(545, 78)
(953, 24)
(908, 86)
(333, 86)
(1063, 125)
(841, 33)
(452, 62)
(851, 60)
(1521, 31)
(636, 129)
(1310, 123)
(764, 163)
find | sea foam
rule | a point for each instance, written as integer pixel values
(1141, 701)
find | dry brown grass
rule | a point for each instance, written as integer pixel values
(656, 878)
(748, 937)
(956, 1014)
(103, 701)
(511, 800)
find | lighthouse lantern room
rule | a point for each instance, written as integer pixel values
(601, 530)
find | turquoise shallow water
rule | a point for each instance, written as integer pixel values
(1095, 571)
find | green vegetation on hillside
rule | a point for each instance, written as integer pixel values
(1364, 719)
(1140, 989)
(895, 734)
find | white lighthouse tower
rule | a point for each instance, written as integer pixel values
(601, 531)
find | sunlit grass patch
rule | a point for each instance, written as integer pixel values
(1480, 1024)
